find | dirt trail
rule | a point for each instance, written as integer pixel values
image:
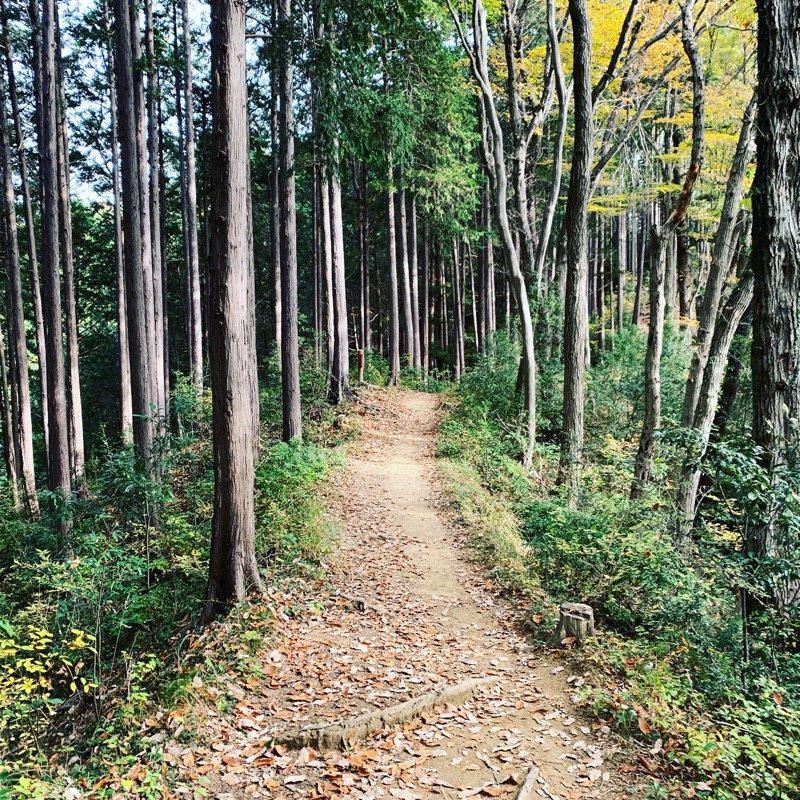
(430, 621)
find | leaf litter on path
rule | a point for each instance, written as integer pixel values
(403, 613)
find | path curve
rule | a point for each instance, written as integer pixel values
(427, 620)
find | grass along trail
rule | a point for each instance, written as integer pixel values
(402, 613)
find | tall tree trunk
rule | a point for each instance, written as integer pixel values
(576, 315)
(661, 238)
(366, 310)
(154, 160)
(721, 261)
(494, 156)
(425, 319)
(405, 273)
(59, 481)
(275, 194)
(394, 299)
(126, 402)
(601, 285)
(75, 407)
(233, 570)
(776, 262)
(27, 200)
(290, 347)
(339, 386)
(458, 314)
(684, 273)
(126, 29)
(327, 265)
(622, 239)
(9, 443)
(562, 92)
(640, 259)
(17, 341)
(193, 253)
(413, 247)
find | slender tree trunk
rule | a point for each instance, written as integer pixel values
(339, 386)
(59, 465)
(458, 314)
(416, 348)
(9, 444)
(327, 262)
(622, 239)
(494, 156)
(233, 571)
(576, 332)
(601, 286)
(394, 300)
(661, 238)
(562, 92)
(425, 318)
(154, 160)
(405, 274)
(775, 352)
(366, 333)
(17, 341)
(720, 346)
(275, 196)
(640, 259)
(27, 201)
(126, 28)
(721, 260)
(290, 348)
(193, 252)
(74, 408)
(126, 402)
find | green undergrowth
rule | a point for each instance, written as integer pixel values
(96, 641)
(668, 666)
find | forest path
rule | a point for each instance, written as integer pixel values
(428, 620)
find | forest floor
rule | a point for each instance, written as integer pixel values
(401, 612)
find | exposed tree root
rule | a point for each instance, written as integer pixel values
(530, 785)
(338, 735)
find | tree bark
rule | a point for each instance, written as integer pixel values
(576, 315)
(154, 161)
(721, 261)
(193, 252)
(458, 314)
(9, 443)
(494, 157)
(17, 341)
(339, 386)
(775, 352)
(413, 247)
(126, 28)
(394, 299)
(290, 349)
(126, 403)
(59, 481)
(75, 406)
(405, 271)
(660, 239)
(27, 201)
(233, 571)
(720, 346)
(425, 318)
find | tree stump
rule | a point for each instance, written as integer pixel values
(575, 620)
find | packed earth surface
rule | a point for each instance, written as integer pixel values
(403, 612)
